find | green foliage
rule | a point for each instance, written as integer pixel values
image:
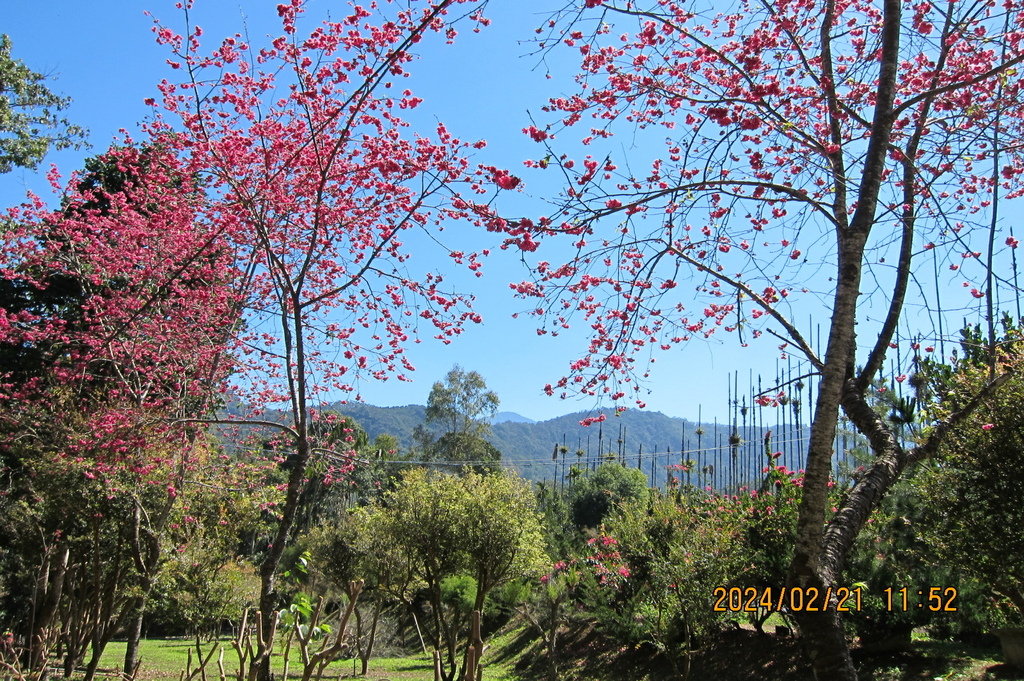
(80, 549)
(297, 618)
(383, 563)
(354, 548)
(666, 557)
(374, 473)
(356, 471)
(458, 421)
(341, 432)
(945, 523)
(896, 550)
(549, 607)
(769, 530)
(29, 125)
(448, 527)
(197, 594)
(205, 580)
(334, 553)
(459, 593)
(398, 421)
(466, 447)
(945, 386)
(560, 535)
(594, 496)
(974, 490)
(506, 598)
(891, 554)
(357, 545)
(462, 403)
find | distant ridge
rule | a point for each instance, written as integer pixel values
(725, 456)
(649, 440)
(506, 416)
(397, 421)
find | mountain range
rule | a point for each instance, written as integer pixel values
(724, 456)
(647, 440)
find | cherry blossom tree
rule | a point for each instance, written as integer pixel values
(115, 314)
(312, 176)
(89, 291)
(818, 155)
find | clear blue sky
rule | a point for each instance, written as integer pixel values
(104, 56)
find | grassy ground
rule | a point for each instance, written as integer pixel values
(164, 660)
(514, 655)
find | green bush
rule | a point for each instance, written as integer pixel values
(974, 489)
(594, 496)
(653, 573)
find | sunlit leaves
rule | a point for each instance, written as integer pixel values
(29, 124)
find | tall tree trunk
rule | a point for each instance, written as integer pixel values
(131, 651)
(268, 571)
(812, 565)
(822, 632)
(49, 589)
(145, 545)
(94, 661)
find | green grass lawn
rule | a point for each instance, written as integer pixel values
(166, 659)
(737, 655)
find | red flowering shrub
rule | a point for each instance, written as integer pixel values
(656, 566)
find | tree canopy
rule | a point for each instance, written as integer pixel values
(484, 527)
(973, 489)
(461, 406)
(29, 120)
(595, 496)
(462, 403)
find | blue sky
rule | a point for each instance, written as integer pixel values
(104, 56)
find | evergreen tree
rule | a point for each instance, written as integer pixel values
(28, 124)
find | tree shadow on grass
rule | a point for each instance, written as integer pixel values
(738, 655)
(935, 660)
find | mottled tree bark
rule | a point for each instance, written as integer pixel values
(815, 564)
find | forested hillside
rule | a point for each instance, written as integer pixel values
(646, 440)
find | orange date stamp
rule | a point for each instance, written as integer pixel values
(842, 598)
(786, 599)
